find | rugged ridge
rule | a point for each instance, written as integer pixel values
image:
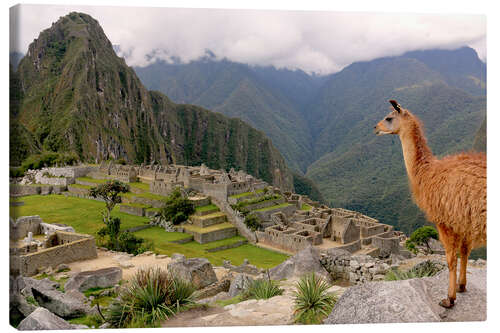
(77, 95)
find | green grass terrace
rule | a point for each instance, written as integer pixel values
(272, 207)
(84, 215)
(245, 194)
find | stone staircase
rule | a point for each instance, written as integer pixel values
(209, 224)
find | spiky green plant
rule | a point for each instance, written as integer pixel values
(152, 296)
(263, 289)
(312, 302)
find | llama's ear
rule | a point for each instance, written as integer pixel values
(395, 105)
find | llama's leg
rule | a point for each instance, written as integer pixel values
(449, 242)
(464, 257)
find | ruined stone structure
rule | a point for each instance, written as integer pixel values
(329, 228)
(123, 173)
(56, 244)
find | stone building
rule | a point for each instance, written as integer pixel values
(35, 245)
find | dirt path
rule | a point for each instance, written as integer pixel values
(108, 259)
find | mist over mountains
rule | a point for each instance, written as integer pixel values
(323, 124)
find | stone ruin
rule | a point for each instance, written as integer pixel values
(110, 170)
(35, 245)
(331, 228)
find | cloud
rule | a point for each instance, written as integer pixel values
(322, 42)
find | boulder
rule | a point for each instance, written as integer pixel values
(21, 303)
(66, 305)
(178, 257)
(435, 246)
(198, 271)
(43, 319)
(101, 278)
(239, 284)
(304, 262)
(409, 301)
(219, 297)
(338, 254)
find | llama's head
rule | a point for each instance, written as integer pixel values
(391, 124)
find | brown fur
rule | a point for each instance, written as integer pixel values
(451, 191)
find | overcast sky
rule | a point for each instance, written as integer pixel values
(321, 42)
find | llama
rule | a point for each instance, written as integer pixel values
(451, 191)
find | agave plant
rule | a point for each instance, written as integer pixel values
(151, 297)
(312, 302)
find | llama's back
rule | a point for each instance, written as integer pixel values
(453, 192)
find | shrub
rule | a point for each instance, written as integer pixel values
(176, 208)
(252, 222)
(423, 234)
(15, 172)
(48, 159)
(151, 297)
(312, 302)
(263, 289)
(424, 269)
(111, 237)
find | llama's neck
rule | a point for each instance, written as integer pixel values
(416, 152)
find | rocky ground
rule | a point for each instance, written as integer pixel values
(413, 300)
(277, 310)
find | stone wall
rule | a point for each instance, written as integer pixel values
(163, 188)
(22, 190)
(78, 190)
(47, 228)
(291, 240)
(266, 215)
(351, 247)
(212, 236)
(20, 228)
(76, 247)
(372, 231)
(354, 268)
(70, 172)
(144, 201)
(218, 191)
(386, 244)
(236, 219)
(61, 181)
(264, 204)
(132, 210)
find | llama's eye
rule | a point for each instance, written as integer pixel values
(388, 119)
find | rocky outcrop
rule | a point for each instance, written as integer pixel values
(198, 271)
(304, 262)
(101, 278)
(408, 301)
(43, 319)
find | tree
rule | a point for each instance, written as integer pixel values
(176, 208)
(110, 193)
(421, 236)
